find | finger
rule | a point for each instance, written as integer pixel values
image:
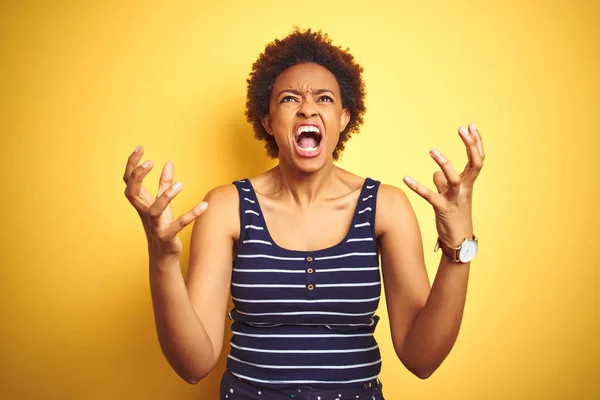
(135, 191)
(166, 181)
(475, 132)
(466, 138)
(440, 181)
(452, 177)
(166, 178)
(428, 195)
(475, 160)
(161, 203)
(132, 162)
(187, 218)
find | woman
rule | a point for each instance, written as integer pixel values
(299, 246)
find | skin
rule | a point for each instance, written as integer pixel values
(319, 199)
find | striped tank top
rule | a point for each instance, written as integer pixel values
(305, 318)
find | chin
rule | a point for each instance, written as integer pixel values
(311, 164)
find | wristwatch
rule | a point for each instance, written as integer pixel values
(464, 253)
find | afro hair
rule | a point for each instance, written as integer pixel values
(302, 47)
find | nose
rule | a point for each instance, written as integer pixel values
(307, 109)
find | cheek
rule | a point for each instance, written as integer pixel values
(283, 116)
(335, 120)
(335, 138)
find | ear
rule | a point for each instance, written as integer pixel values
(344, 119)
(266, 123)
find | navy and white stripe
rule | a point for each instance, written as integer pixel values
(305, 317)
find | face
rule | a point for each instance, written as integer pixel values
(306, 116)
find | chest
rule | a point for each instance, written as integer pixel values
(312, 228)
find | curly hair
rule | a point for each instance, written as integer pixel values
(301, 47)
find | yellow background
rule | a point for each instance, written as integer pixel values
(83, 83)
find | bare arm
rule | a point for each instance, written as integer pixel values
(425, 322)
(183, 337)
(434, 332)
(186, 333)
(211, 256)
(190, 316)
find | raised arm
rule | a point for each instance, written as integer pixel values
(425, 322)
(190, 332)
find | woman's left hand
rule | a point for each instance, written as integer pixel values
(453, 202)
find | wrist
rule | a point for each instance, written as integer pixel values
(455, 235)
(164, 261)
(163, 252)
(462, 253)
(454, 240)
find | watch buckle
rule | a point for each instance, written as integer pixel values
(438, 244)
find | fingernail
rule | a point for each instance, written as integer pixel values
(436, 152)
(177, 186)
(473, 127)
(464, 131)
(147, 164)
(203, 206)
(137, 149)
(408, 179)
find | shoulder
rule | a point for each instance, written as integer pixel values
(222, 212)
(223, 194)
(349, 181)
(223, 200)
(393, 206)
(390, 195)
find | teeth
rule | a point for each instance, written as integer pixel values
(307, 128)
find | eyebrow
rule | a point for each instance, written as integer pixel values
(299, 93)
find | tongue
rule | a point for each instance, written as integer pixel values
(307, 142)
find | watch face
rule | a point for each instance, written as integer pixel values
(468, 251)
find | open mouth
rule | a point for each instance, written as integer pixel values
(308, 138)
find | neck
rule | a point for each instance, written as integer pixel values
(305, 188)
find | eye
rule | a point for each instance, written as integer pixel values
(326, 99)
(288, 99)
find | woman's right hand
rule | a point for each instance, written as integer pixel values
(156, 213)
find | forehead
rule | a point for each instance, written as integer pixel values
(306, 77)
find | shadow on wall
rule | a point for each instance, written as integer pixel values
(248, 158)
